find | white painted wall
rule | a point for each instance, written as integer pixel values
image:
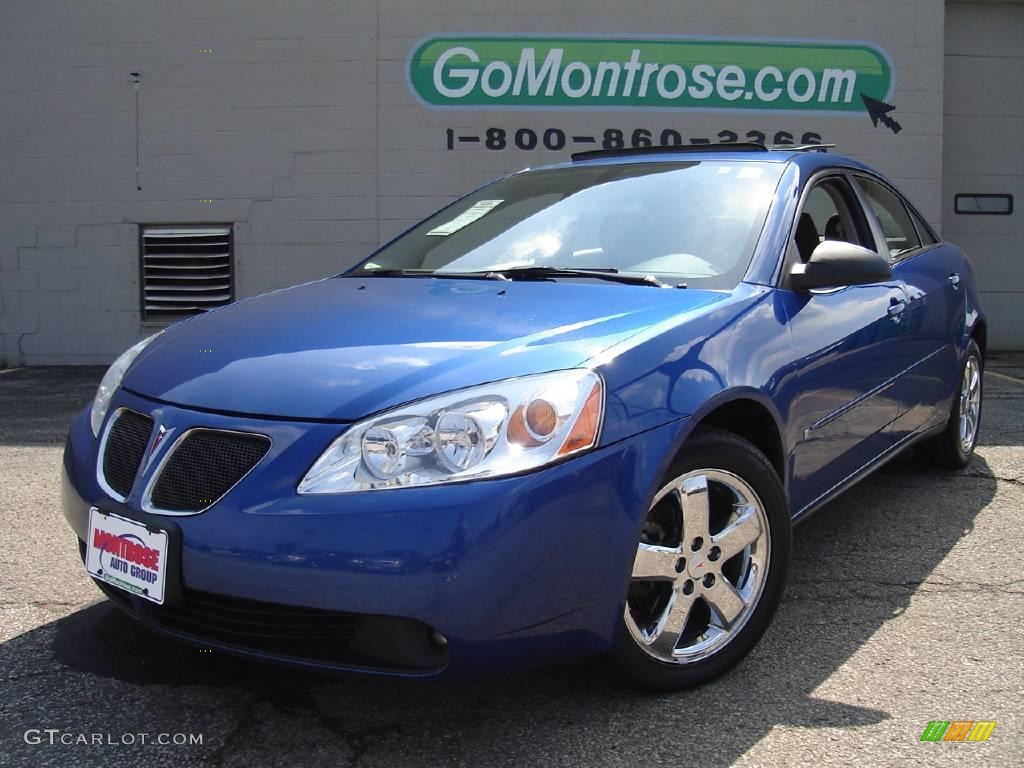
(984, 126)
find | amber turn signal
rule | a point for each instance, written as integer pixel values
(584, 432)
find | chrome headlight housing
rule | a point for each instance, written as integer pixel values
(493, 430)
(112, 380)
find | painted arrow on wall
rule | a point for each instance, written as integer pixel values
(879, 111)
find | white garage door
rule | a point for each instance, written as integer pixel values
(983, 155)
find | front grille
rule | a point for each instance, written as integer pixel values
(204, 466)
(297, 633)
(270, 627)
(288, 632)
(124, 449)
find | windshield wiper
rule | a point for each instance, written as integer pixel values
(601, 273)
(522, 273)
(423, 273)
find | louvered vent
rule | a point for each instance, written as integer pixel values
(185, 270)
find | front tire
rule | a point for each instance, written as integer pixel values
(954, 448)
(710, 567)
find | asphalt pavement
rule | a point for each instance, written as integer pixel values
(906, 604)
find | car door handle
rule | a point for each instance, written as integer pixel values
(896, 309)
(954, 280)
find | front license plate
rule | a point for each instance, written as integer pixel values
(127, 555)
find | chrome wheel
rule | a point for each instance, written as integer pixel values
(700, 566)
(970, 404)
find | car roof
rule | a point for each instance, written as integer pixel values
(808, 157)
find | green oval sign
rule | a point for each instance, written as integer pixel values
(675, 73)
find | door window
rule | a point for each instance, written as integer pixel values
(829, 213)
(923, 229)
(897, 228)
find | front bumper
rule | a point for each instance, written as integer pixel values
(514, 572)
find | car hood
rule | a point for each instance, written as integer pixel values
(343, 348)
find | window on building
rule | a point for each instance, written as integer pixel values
(983, 205)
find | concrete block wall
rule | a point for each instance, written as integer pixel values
(296, 123)
(984, 120)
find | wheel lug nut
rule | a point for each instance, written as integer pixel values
(680, 565)
(709, 579)
(688, 587)
(697, 544)
(714, 554)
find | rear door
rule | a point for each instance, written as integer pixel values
(935, 306)
(851, 346)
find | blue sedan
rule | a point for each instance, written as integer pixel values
(575, 412)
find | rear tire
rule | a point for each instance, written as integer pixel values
(954, 448)
(710, 568)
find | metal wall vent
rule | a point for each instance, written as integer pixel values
(185, 270)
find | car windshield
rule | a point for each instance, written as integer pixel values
(693, 222)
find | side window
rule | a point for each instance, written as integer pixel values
(925, 231)
(828, 214)
(897, 228)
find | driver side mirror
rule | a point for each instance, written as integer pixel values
(835, 263)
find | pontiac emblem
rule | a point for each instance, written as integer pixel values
(161, 433)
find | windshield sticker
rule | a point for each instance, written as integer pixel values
(750, 173)
(478, 210)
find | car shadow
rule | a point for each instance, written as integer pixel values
(857, 565)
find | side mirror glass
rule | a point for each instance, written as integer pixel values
(835, 263)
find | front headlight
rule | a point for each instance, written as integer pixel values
(112, 380)
(488, 431)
